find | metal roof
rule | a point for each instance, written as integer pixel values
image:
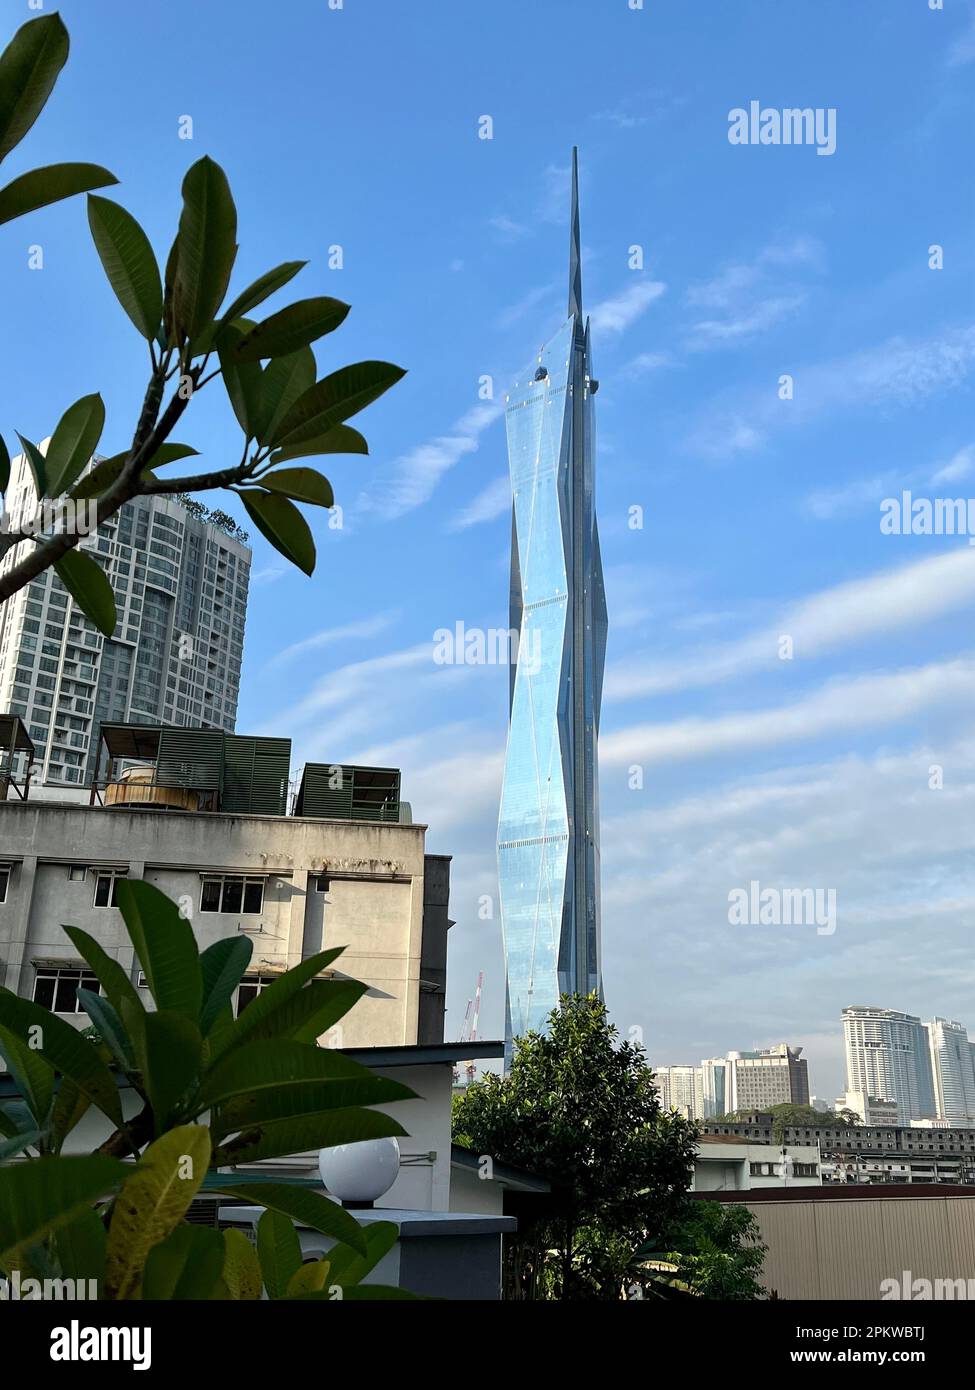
(13, 730)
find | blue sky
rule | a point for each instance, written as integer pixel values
(359, 127)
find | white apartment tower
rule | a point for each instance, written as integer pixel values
(180, 585)
(951, 1071)
(887, 1056)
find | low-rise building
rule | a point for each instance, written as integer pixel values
(722, 1165)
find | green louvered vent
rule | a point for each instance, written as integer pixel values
(332, 791)
(190, 758)
(256, 775)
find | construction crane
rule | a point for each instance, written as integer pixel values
(469, 1031)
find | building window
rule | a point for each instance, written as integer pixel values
(76, 873)
(4, 880)
(250, 987)
(232, 893)
(106, 887)
(56, 989)
(321, 883)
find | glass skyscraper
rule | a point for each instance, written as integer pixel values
(548, 830)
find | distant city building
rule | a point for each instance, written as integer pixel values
(735, 1165)
(714, 1086)
(951, 1071)
(680, 1089)
(871, 1110)
(818, 1103)
(887, 1056)
(767, 1076)
(180, 585)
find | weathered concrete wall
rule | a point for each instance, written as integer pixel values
(374, 905)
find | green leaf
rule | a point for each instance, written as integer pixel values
(88, 585)
(4, 466)
(343, 439)
(279, 1251)
(152, 1203)
(64, 1048)
(283, 380)
(311, 1011)
(299, 1134)
(74, 441)
(166, 948)
(335, 398)
(51, 184)
(185, 1266)
(80, 1247)
(241, 380)
(167, 1047)
(206, 246)
(33, 1075)
(349, 1268)
(106, 471)
(262, 288)
(71, 1105)
(271, 1070)
(223, 965)
(38, 466)
(291, 328)
(39, 1197)
(112, 977)
(301, 484)
(241, 1267)
(26, 1139)
(128, 261)
(307, 1208)
(310, 1278)
(280, 522)
(109, 1025)
(29, 68)
(259, 1011)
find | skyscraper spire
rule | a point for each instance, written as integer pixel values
(575, 247)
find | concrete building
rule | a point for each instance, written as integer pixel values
(204, 819)
(887, 1055)
(952, 1075)
(180, 586)
(768, 1076)
(871, 1110)
(681, 1089)
(722, 1165)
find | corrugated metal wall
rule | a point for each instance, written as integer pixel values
(846, 1248)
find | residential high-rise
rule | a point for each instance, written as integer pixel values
(887, 1056)
(680, 1088)
(767, 1076)
(180, 586)
(548, 830)
(951, 1071)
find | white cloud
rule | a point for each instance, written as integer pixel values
(368, 627)
(957, 468)
(842, 706)
(835, 617)
(413, 478)
(493, 502)
(617, 314)
(751, 297)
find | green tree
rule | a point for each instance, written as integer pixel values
(581, 1110)
(717, 1252)
(192, 336)
(805, 1116)
(213, 1091)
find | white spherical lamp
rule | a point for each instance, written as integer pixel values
(359, 1174)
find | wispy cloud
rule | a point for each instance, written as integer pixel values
(831, 619)
(617, 314)
(646, 362)
(830, 503)
(896, 373)
(413, 478)
(493, 502)
(749, 297)
(840, 707)
(329, 636)
(963, 49)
